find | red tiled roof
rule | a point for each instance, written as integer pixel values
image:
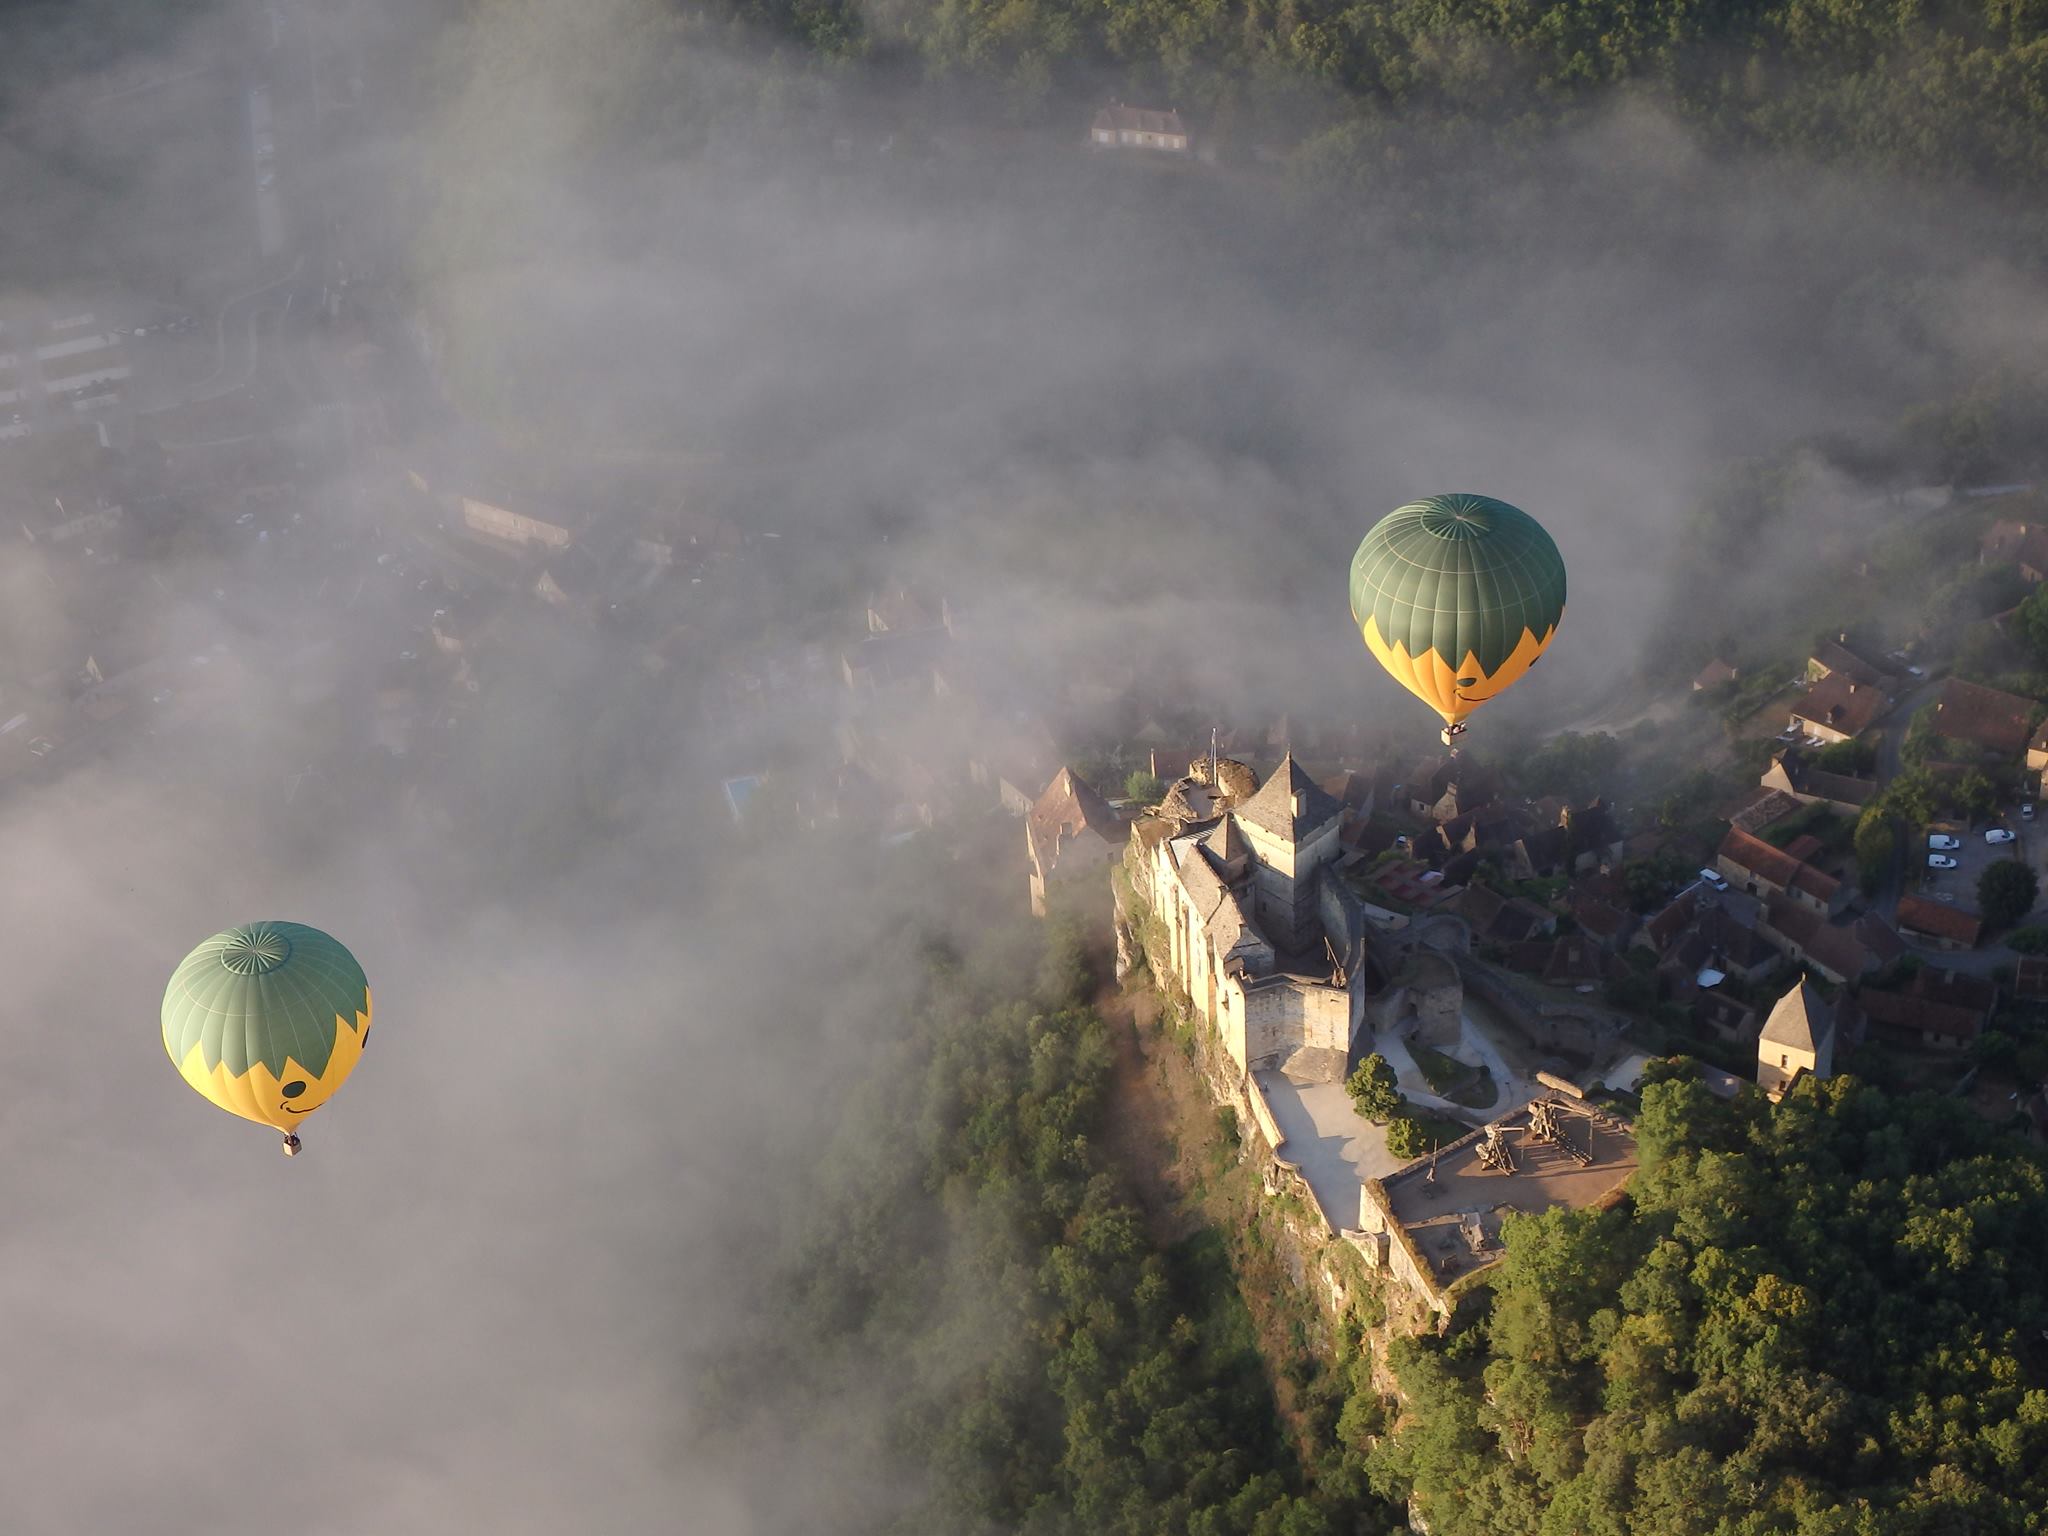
(1919, 1012)
(1138, 120)
(1834, 657)
(1842, 704)
(2021, 543)
(1983, 716)
(2030, 976)
(1776, 866)
(1832, 949)
(1939, 921)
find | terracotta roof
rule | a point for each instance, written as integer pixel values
(1842, 704)
(1573, 962)
(1937, 1001)
(1832, 657)
(1762, 808)
(2020, 543)
(1667, 925)
(1983, 716)
(1834, 950)
(1776, 866)
(1599, 918)
(1801, 1019)
(2030, 976)
(1291, 804)
(1714, 674)
(1918, 914)
(1071, 803)
(1803, 847)
(1880, 938)
(1138, 119)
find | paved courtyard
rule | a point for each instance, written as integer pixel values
(1337, 1148)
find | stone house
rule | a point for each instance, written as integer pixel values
(1713, 675)
(1793, 772)
(1834, 657)
(1938, 924)
(2022, 544)
(1750, 864)
(1443, 789)
(1994, 722)
(1117, 126)
(1798, 1037)
(1839, 708)
(1070, 837)
(1938, 1008)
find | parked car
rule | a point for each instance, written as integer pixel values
(2000, 835)
(1944, 842)
(1940, 861)
(1711, 878)
(2027, 811)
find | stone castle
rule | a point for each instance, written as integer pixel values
(1269, 944)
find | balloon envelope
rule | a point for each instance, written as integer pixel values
(267, 1020)
(1457, 596)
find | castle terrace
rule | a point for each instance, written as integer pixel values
(1433, 1230)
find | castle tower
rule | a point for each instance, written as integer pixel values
(1290, 828)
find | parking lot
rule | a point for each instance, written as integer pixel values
(1958, 886)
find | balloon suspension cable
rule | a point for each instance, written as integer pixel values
(291, 1143)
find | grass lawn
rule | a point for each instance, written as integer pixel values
(1477, 1092)
(1438, 1070)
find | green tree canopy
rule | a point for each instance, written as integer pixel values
(2006, 892)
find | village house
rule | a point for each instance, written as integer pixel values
(1443, 789)
(1497, 919)
(1941, 1009)
(1834, 658)
(1070, 837)
(1798, 1039)
(1117, 126)
(1995, 723)
(1804, 937)
(1838, 708)
(1714, 674)
(1750, 864)
(1938, 924)
(1792, 772)
(2021, 544)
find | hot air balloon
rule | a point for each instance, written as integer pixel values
(1457, 596)
(267, 1020)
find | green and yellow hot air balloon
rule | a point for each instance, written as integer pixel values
(1457, 596)
(267, 1020)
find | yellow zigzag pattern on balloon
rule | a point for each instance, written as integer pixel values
(1434, 681)
(258, 1096)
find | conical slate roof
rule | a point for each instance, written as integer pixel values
(1801, 1020)
(1272, 809)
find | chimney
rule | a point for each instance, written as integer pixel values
(1852, 688)
(1843, 637)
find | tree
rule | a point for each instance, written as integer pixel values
(1876, 842)
(1405, 1137)
(2030, 623)
(1976, 794)
(2006, 892)
(1143, 787)
(1855, 756)
(1375, 1089)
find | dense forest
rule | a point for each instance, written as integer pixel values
(1822, 1318)
(980, 1313)
(1956, 89)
